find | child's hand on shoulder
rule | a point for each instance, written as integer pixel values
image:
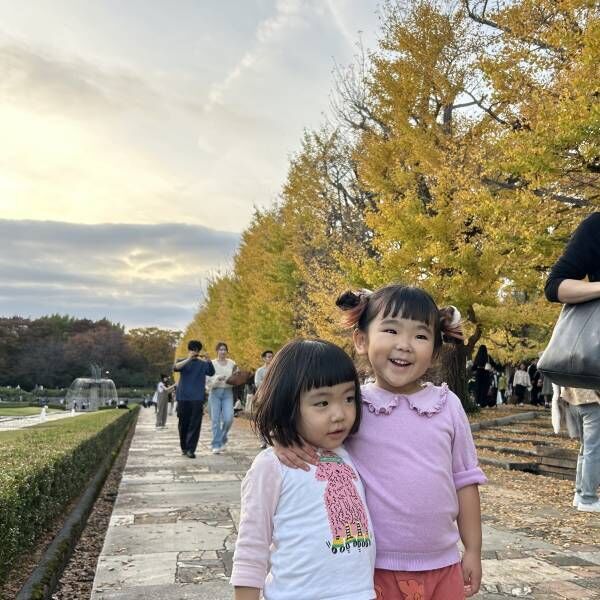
(297, 457)
(471, 568)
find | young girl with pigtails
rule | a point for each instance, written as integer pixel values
(414, 450)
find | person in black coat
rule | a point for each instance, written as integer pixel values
(536, 378)
(482, 376)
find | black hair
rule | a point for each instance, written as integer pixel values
(482, 357)
(163, 376)
(195, 345)
(300, 366)
(407, 302)
(219, 344)
(264, 354)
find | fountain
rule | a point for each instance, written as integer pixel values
(87, 393)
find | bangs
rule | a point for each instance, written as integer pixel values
(300, 366)
(404, 302)
(325, 366)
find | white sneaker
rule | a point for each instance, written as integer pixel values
(576, 499)
(216, 450)
(593, 507)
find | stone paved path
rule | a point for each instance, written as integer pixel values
(172, 532)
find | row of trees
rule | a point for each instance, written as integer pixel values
(459, 156)
(53, 350)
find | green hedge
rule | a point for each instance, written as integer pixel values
(43, 468)
(49, 405)
(13, 394)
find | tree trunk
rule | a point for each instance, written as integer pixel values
(451, 367)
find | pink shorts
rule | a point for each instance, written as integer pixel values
(439, 584)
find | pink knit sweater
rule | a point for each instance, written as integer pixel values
(413, 452)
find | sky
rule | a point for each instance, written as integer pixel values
(138, 138)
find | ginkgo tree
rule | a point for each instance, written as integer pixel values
(460, 155)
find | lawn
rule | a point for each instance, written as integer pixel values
(23, 411)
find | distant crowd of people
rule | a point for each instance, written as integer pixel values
(201, 380)
(491, 384)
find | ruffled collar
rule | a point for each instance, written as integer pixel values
(427, 401)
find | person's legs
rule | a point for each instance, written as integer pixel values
(590, 469)
(215, 406)
(520, 393)
(161, 415)
(534, 395)
(481, 390)
(226, 413)
(193, 433)
(184, 413)
(577, 421)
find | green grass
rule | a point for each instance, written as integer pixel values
(23, 411)
(44, 467)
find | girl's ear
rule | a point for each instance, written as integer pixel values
(360, 342)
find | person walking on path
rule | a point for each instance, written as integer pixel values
(306, 534)
(162, 393)
(259, 376)
(220, 399)
(535, 377)
(171, 399)
(267, 357)
(483, 376)
(547, 391)
(521, 384)
(503, 386)
(581, 259)
(414, 450)
(191, 395)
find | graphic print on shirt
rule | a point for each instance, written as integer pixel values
(345, 509)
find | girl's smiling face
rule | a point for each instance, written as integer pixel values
(400, 351)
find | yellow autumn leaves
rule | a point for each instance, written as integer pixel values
(459, 156)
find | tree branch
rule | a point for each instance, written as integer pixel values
(540, 192)
(491, 113)
(483, 20)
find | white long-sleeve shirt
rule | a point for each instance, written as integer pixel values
(305, 534)
(522, 378)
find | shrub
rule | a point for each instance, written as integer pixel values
(11, 394)
(43, 468)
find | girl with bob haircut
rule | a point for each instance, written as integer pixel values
(414, 451)
(306, 533)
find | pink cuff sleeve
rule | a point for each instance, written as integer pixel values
(470, 477)
(260, 493)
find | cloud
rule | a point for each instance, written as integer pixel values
(138, 275)
(340, 23)
(103, 115)
(287, 13)
(49, 83)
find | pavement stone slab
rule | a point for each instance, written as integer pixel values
(168, 537)
(213, 590)
(130, 570)
(523, 571)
